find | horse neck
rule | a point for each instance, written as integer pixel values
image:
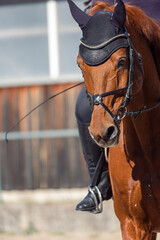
(144, 132)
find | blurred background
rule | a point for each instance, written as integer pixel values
(42, 171)
(38, 48)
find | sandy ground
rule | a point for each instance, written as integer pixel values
(50, 215)
(64, 236)
(53, 217)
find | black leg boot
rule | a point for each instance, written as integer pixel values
(92, 153)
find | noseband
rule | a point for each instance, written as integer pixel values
(97, 99)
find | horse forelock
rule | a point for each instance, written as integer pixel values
(100, 6)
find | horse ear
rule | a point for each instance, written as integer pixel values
(79, 16)
(119, 15)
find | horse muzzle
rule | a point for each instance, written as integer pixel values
(106, 138)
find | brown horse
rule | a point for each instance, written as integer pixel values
(134, 154)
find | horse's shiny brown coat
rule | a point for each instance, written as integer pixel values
(134, 163)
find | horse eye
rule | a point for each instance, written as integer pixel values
(121, 62)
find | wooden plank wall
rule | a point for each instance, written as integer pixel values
(40, 163)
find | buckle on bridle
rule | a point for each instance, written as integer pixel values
(121, 113)
(94, 99)
(97, 99)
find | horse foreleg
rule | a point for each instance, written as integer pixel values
(128, 230)
(133, 231)
(154, 236)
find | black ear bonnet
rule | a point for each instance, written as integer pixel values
(103, 33)
(100, 39)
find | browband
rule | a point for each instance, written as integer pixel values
(124, 35)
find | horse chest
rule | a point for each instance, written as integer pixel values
(135, 191)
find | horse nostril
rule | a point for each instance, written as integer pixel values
(110, 133)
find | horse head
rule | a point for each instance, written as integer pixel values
(106, 60)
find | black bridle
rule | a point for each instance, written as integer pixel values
(97, 99)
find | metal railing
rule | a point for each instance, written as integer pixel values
(41, 134)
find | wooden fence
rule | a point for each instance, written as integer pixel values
(40, 163)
